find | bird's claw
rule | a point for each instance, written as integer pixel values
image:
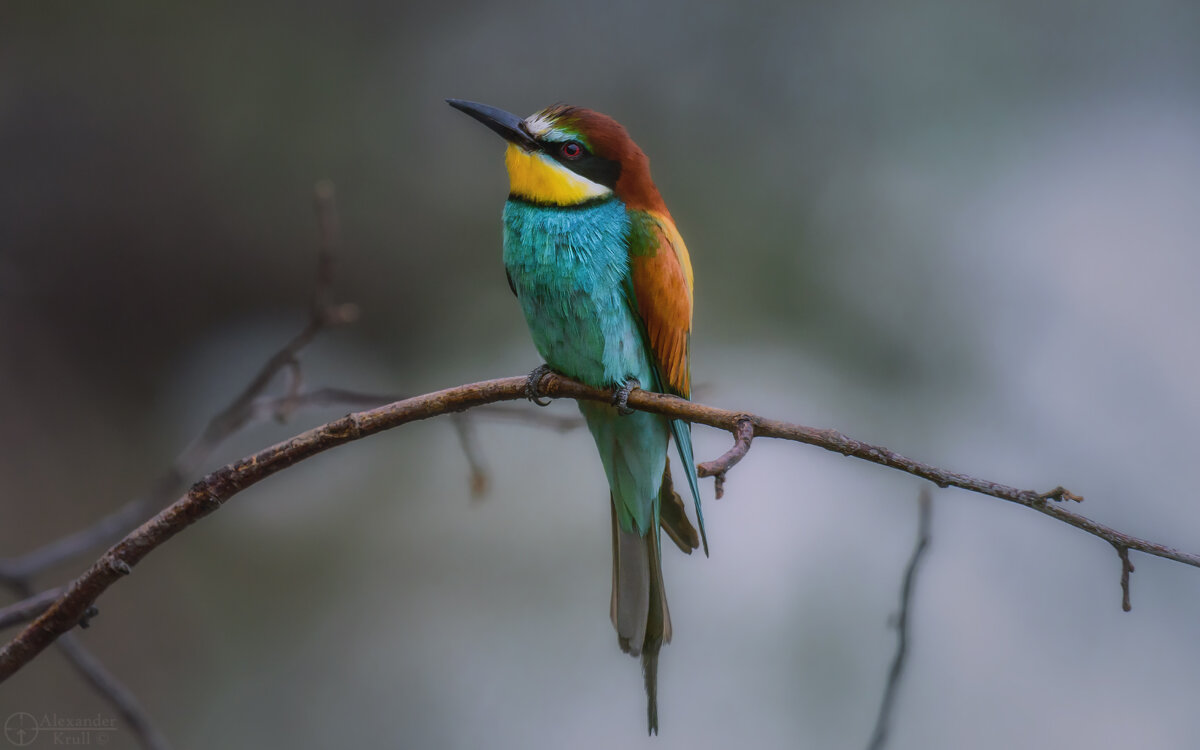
(533, 385)
(620, 397)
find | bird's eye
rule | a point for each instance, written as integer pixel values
(571, 150)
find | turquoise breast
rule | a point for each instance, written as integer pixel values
(570, 269)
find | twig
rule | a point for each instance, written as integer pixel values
(718, 467)
(924, 520)
(466, 440)
(1126, 569)
(206, 495)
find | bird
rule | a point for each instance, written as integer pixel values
(605, 283)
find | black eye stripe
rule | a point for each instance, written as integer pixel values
(603, 171)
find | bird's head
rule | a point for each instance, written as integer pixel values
(565, 156)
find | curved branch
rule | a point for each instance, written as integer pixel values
(208, 494)
(719, 467)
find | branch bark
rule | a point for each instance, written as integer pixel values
(210, 493)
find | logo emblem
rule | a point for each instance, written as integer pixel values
(21, 729)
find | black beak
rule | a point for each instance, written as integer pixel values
(510, 127)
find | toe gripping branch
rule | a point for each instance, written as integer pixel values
(533, 385)
(620, 397)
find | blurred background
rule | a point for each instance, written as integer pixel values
(963, 231)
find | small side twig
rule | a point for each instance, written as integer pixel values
(1060, 494)
(925, 515)
(466, 440)
(1126, 569)
(743, 433)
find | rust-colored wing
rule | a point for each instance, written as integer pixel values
(662, 285)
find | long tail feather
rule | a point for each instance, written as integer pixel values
(682, 431)
(658, 632)
(639, 606)
(650, 675)
(632, 593)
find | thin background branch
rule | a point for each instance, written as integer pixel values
(248, 407)
(29, 607)
(102, 681)
(124, 701)
(892, 687)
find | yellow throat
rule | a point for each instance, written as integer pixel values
(539, 178)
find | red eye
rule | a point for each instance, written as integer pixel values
(571, 150)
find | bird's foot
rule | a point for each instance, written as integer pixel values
(620, 397)
(533, 385)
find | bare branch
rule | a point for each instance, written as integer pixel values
(208, 494)
(924, 521)
(249, 406)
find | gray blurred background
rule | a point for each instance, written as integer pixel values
(964, 231)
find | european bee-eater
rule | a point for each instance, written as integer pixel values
(605, 283)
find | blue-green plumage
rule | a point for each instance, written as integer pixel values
(570, 269)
